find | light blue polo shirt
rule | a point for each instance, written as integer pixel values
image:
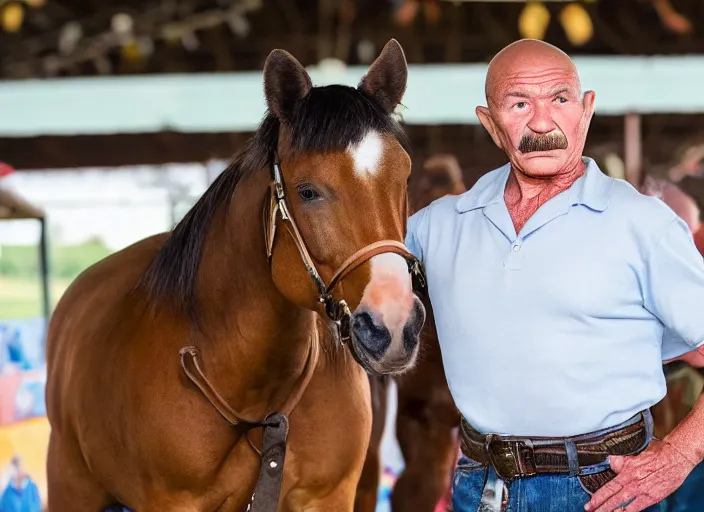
(562, 329)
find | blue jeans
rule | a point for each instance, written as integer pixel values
(689, 497)
(541, 493)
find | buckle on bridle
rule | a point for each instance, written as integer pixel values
(340, 315)
(417, 276)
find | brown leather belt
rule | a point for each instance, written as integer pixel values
(585, 455)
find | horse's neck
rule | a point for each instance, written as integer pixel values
(255, 339)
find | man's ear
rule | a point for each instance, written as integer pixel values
(588, 102)
(488, 123)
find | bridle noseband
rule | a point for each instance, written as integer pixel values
(337, 310)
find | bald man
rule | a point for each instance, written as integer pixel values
(558, 292)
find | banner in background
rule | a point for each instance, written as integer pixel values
(22, 370)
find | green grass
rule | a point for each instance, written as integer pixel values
(21, 297)
(20, 286)
(65, 261)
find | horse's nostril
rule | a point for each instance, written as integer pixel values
(411, 331)
(374, 338)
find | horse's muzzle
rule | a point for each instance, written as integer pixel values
(381, 350)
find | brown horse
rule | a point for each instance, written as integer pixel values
(426, 416)
(235, 292)
(684, 385)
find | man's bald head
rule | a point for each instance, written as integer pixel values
(526, 57)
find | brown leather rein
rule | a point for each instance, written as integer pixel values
(266, 494)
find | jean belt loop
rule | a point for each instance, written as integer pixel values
(649, 427)
(572, 459)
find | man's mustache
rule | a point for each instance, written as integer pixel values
(544, 142)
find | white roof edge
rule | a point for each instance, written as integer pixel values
(233, 102)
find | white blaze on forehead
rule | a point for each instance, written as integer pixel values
(367, 154)
(389, 293)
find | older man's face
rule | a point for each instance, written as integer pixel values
(537, 113)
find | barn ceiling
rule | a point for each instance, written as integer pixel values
(93, 37)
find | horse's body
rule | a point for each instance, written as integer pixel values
(426, 418)
(127, 424)
(133, 428)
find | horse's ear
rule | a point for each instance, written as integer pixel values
(387, 76)
(285, 83)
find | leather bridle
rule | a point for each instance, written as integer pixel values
(337, 310)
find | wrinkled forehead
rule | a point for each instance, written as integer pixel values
(532, 77)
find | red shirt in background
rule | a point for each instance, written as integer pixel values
(699, 239)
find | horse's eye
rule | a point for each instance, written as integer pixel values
(308, 193)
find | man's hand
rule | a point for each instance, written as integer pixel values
(642, 480)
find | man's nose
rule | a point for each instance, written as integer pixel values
(541, 122)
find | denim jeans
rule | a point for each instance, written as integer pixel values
(689, 497)
(541, 493)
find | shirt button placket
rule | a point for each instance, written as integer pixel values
(514, 260)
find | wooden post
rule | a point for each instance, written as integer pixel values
(633, 153)
(45, 277)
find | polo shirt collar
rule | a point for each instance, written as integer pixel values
(593, 189)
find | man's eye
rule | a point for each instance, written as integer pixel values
(521, 104)
(562, 99)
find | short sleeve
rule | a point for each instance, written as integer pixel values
(417, 234)
(673, 288)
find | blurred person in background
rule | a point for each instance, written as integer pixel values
(441, 176)
(682, 204)
(21, 493)
(699, 239)
(688, 175)
(672, 20)
(406, 11)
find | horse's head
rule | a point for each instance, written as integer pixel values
(339, 199)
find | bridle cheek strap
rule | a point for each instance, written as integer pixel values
(277, 207)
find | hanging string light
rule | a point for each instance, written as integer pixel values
(577, 24)
(12, 17)
(69, 37)
(122, 24)
(135, 44)
(534, 20)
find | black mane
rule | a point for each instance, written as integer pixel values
(328, 119)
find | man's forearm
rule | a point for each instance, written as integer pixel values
(688, 436)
